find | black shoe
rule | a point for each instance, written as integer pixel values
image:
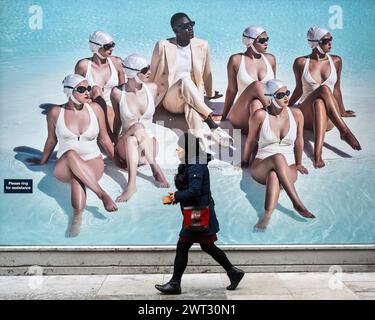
(169, 288)
(235, 275)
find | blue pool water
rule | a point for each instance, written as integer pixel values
(34, 62)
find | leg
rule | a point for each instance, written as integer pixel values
(127, 147)
(245, 105)
(181, 260)
(184, 97)
(147, 147)
(88, 172)
(217, 254)
(320, 128)
(272, 196)
(260, 170)
(78, 197)
(332, 111)
(235, 275)
(110, 116)
(180, 263)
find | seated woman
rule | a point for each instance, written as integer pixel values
(247, 72)
(134, 109)
(278, 131)
(103, 72)
(76, 126)
(318, 93)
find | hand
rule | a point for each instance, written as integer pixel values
(302, 169)
(34, 161)
(217, 118)
(171, 197)
(216, 96)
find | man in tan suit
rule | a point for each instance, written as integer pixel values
(181, 68)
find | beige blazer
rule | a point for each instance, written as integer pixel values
(163, 66)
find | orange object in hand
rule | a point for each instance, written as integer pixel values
(167, 200)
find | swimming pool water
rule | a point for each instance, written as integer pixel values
(34, 62)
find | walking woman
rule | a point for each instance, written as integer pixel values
(193, 184)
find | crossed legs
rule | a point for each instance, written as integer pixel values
(321, 113)
(249, 101)
(131, 147)
(275, 173)
(80, 174)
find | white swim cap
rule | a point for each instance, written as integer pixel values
(250, 34)
(270, 88)
(69, 83)
(133, 64)
(314, 35)
(97, 39)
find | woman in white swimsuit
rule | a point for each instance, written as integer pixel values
(318, 92)
(77, 126)
(134, 109)
(102, 71)
(278, 131)
(247, 73)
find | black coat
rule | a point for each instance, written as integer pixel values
(196, 192)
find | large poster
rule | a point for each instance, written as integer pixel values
(42, 42)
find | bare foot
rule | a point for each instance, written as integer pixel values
(304, 212)
(263, 222)
(75, 226)
(108, 203)
(127, 194)
(351, 140)
(348, 114)
(318, 162)
(160, 180)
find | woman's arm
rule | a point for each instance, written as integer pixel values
(115, 100)
(272, 60)
(299, 142)
(120, 71)
(81, 67)
(103, 137)
(232, 89)
(153, 88)
(255, 123)
(297, 69)
(337, 90)
(51, 141)
(195, 181)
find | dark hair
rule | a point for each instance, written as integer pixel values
(177, 16)
(193, 149)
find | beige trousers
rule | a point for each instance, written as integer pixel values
(184, 97)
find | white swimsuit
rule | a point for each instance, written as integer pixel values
(112, 82)
(128, 118)
(309, 84)
(85, 144)
(244, 79)
(269, 144)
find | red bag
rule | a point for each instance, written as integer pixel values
(196, 218)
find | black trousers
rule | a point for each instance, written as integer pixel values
(182, 253)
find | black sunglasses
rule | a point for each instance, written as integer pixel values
(261, 40)
(106, 46)
(280, 95)
(186, 25)
(143, 70)
(326, 40)
(80, 89)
